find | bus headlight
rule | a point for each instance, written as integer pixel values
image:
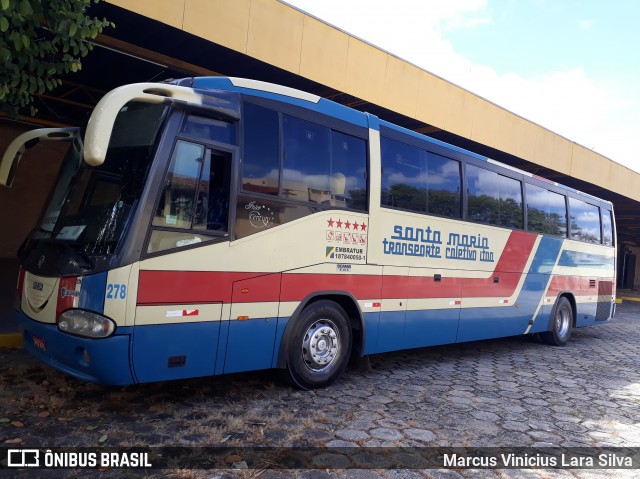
(85, 323)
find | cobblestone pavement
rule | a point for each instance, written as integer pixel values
(498, 393)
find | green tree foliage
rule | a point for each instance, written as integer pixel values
(39, 41)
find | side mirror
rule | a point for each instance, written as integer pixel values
(23, 142)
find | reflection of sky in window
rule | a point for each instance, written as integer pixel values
(186, 156)
(585, 220)
(482, 182)
(509, 189)
(306, 147)
(545, 200)
(443, 173)
(349, 157)
(409, 165)
(489, 183)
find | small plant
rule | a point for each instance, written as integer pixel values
(39, 41)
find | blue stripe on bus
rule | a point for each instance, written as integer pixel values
(485, 323)
(430, 327)
(92, 292)
(546, 255)
(579, 259)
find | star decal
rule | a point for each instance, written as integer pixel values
(363, 226)
(339, 223)
(347, 225)
(330, 221)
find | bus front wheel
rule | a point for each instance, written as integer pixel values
(320, 345)
(561, 324)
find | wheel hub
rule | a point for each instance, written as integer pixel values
(321, 345)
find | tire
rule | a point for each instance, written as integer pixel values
(561, 324)
(319, 346)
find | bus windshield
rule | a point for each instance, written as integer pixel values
(91, 205)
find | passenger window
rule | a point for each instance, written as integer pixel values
(443, 186)
(348, 171)
(493, 198)
(404, 175)
(261, 162)
(317, 165)
(306, 171)
(584, 221)
(546, 211)
(417, 180)
(607, 228)
(211, 129)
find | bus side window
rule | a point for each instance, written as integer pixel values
(210, 129)
(404, 173)
(546, 211)
(306, 169)
(348, 171)
(493, 198)
(607, 228)
(584, 221)
(418, 180)
(261, 162)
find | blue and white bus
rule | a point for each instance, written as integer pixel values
(216, 225)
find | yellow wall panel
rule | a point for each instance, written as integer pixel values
(275, 34)
(624, 181)
(366, 66)
(401, 86)
(522, 138)
(225, 22)
(562, 155)
(589, 166)
(165, 11)
(459, 108)
(324, 53)
(543, 150)
(431, 107)
(488, 122)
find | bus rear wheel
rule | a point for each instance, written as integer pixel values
(561, 324)
(320, 345)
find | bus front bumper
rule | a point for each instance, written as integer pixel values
(101, 361)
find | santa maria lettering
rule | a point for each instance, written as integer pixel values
(427, 243)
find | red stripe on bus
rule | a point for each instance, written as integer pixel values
(296, 287)
(579, 286)
(188, 287)
(516, 252)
